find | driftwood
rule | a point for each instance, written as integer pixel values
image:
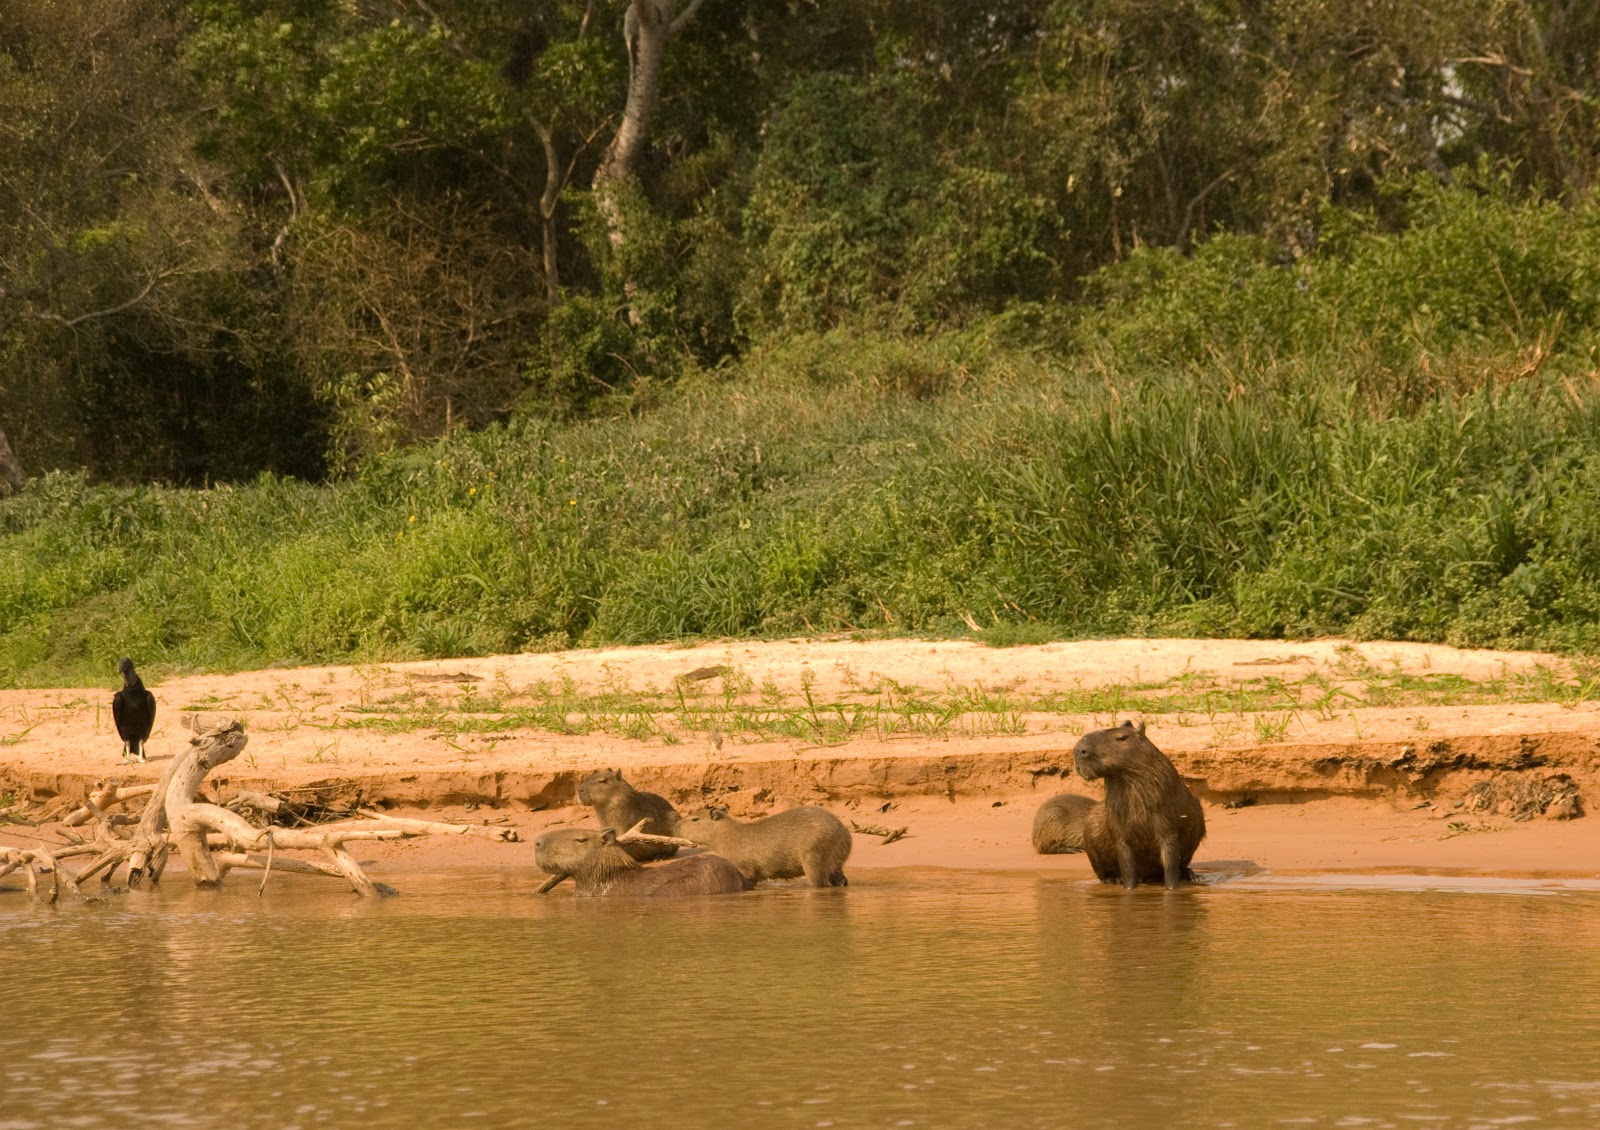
(30, 861)
(211, 838)
(637, 835)
(258, 802)
(105, 795)
(890, 835)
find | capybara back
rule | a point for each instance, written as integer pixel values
(1058, 825)
(808, 841)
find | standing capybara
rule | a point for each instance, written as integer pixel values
(620, 806)
(599, 866)
(807, 841)
(1058, 825)
(1150, 824)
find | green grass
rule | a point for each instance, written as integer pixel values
(1024, 509)
(1227, 446)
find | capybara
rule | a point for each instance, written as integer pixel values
(599, 866)
(1150, 824)
(557, 851)
(1058, 825)
(620, 806)
(807, 841)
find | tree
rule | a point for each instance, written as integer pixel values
(114, 235)
(647, 27)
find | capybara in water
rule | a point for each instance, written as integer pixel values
(1058, 825)
(620, 806)
(599, 866)
(557, 851)
(807, 841)
(1150, 824)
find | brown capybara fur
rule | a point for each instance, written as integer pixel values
(1150, 824)
(557, 852)
(600, 867)
(620, 806)
(1058, 825)
(807, 841)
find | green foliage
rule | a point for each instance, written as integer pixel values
(1478, 281)
(591, 353)
(831, 213)
(1017, 499)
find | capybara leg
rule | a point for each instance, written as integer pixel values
(837, 879)
(816, 877)
(1172, 868)
(1128, 865)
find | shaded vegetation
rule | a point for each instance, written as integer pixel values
(1019, 319)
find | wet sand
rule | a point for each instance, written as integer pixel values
(1342, 835)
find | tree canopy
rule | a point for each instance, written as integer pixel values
(289, 235)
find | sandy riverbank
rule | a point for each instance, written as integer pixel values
(1334, 781)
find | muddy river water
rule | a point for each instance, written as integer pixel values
(914, 998)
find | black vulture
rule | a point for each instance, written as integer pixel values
(134, 710)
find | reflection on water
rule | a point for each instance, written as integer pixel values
(940, 999)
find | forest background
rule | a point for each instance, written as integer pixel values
(372, 329)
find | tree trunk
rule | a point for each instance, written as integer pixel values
(12, 477)
(554, 179)
(646, 28)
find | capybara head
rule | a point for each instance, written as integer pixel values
(1107, 753)
(559, 852)
(598, 784)
(691, 822)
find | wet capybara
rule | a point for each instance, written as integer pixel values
(807, 841)
(555, 852)
(599, 867)
(620, 806)
(1150, 824)
(1058, 825)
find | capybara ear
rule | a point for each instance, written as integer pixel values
(1128, 725)
(716, 812)
(1141, 727)
(609, 836)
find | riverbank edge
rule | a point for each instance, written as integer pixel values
(1401, 771)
